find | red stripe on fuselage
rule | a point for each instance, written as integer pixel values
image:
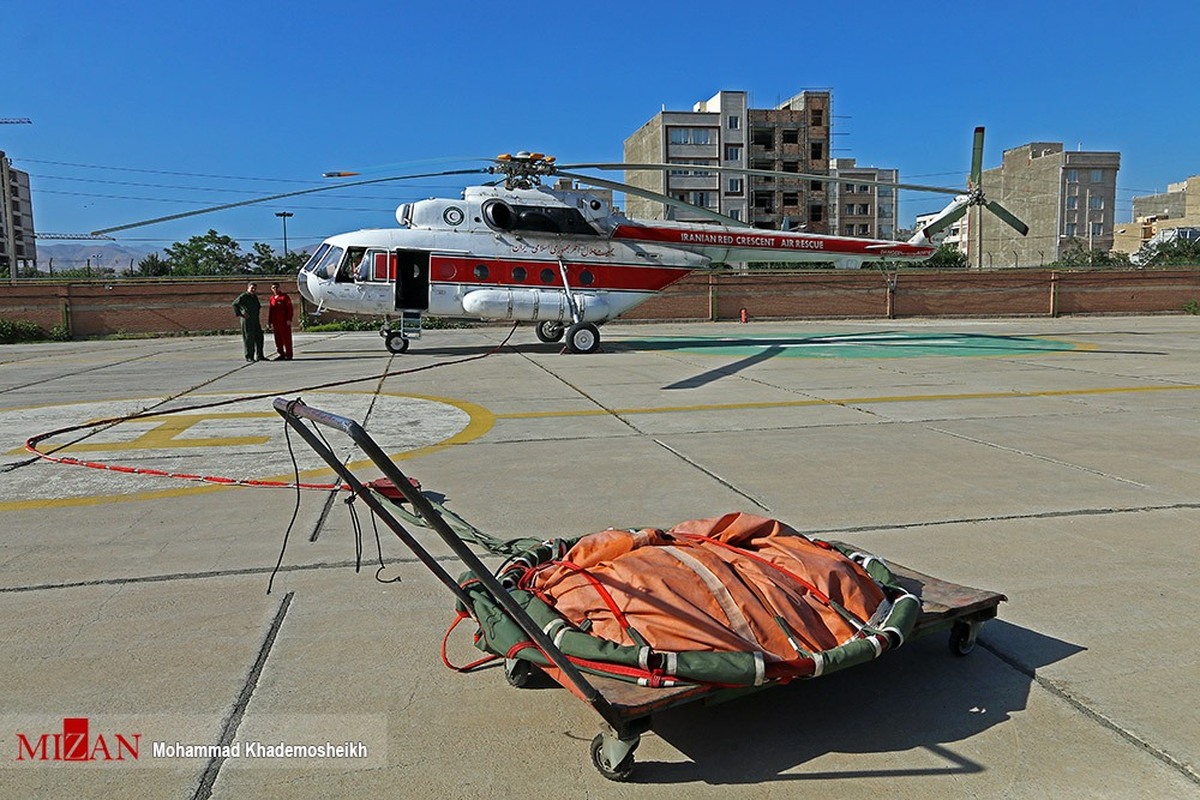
(753, 239)
(546, 274)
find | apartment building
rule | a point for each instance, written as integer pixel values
(862, 208)
(1154, 214)
(1067, 198)
(16, 219)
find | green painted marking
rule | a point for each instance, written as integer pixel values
(873, 344)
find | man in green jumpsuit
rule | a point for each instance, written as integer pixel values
(247, 306)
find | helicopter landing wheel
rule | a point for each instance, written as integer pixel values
(613, 757)
(395, 342)
(550, 331)
(583, 337)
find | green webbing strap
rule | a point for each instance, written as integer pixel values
(463, 529)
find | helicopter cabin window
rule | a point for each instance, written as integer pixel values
(383, 266)
(327, 266)
(587, 278)
(518, 274)
(547, 276)
(481, 272)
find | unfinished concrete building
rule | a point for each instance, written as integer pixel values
(723, 131)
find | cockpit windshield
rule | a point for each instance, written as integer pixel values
(315, 258)
(324, 262)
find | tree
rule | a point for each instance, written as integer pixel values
(210, 254)
(1178, 251)
(1075, 254)
(946, 256)
(153, 266)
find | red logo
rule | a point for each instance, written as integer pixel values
(75, 743)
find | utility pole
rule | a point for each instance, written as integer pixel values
(283, 215)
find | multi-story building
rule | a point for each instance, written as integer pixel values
(1067, 198)
(724, 131)
(16, 219)
(1154, 214)
(858, 208)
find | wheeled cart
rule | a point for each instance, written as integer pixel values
(626, 708)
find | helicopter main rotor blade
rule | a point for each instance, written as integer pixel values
(1006, 215)
(765, 173)
(269, 198)
(649, 195)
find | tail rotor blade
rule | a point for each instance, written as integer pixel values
(977, 159)
(1006, 215)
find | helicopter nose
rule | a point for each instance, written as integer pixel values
(302, 284)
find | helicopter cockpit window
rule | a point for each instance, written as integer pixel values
(355, 259)
(315, 258)
(328, 263)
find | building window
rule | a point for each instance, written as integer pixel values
(817, 118)
(848, 188)
(1097, 176)
(816, 186)
(734, 186)
(849, 230)
(816, 151)
(763, 137)
(1095, 202)
(816, 213)
(735, 213)
(690, 136)
(864, 189)
(791, 198)
(699, 199)
(864, 230)
(849, 209)
(864, 209)
(765, 201)
(1071, 229)
(733, 152)
(790, 136)
(1072, 176)
(791, 166)
(1097, 229)
(734, 122)
(1072, 203)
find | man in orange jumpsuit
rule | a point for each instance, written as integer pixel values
(279, 317)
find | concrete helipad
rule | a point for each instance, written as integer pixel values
(1056, 461)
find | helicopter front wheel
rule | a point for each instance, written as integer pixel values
(583, 337)
(550, 331)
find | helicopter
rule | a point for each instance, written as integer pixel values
(561, 257)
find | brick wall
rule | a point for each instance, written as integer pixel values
(93, 308)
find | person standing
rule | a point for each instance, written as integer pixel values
(279, 317)
(247, 307)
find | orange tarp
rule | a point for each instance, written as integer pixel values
(722, 584)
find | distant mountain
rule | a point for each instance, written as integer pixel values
(76, 254)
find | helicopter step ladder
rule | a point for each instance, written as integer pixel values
(626, 709)
(410, 324)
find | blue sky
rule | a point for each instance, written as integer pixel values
(142, 109)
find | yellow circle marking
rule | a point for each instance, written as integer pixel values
(480, 421)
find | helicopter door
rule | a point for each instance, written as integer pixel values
(412, 279)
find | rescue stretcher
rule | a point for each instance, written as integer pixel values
(627, 685)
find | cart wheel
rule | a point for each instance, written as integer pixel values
(550, 331)
(962, 637)
(395, 342)
(600, 760)
(519, 672)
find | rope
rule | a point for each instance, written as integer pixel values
(32, 443)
